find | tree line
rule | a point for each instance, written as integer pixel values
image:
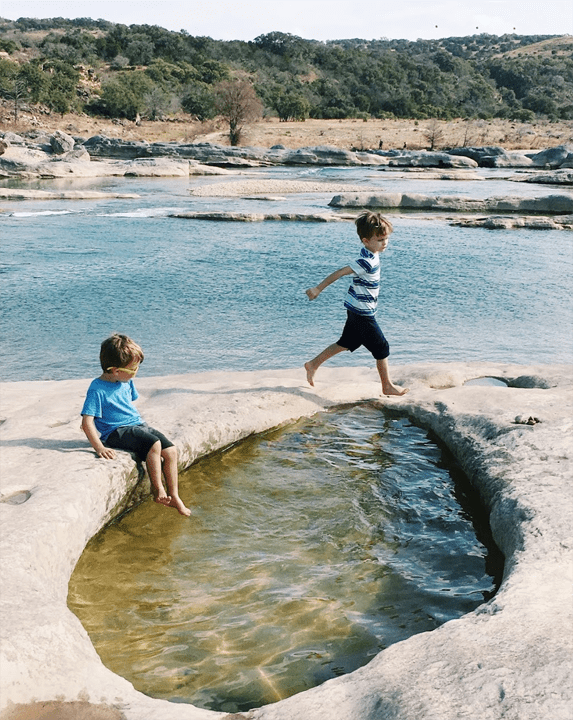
(120, 71)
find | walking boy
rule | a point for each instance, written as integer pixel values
(110, 420)
(361, 327)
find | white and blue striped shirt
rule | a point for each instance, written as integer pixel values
(362, 296)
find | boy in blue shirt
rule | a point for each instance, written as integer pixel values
(361, 327)
(110, 420)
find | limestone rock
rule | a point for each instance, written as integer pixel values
(549, 204)
(558, 222)
(510, 658)
(61, 143)
(101, 146)
(431, 159)
(157, 167)
(508, 159)
(261, 217)
(11, 138)
(552, 157)
(552, 177)
(478, 153)
(494, 156)
(26, 194)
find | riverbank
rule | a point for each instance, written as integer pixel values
(345, 134)
(509, 658)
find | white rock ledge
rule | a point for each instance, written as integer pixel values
(511, 658)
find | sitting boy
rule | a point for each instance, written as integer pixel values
(110, 420)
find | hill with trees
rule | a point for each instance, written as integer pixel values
(118, 71)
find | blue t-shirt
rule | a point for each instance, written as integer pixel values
(362, 296)
(111, 405)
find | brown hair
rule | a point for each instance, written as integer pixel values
(119, 351)
(369, 224)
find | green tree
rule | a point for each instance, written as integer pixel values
(213, 72)
(12, 86)
(139, 50)
(291, 106)
(199, 100)
(125, 95)
(60, 91)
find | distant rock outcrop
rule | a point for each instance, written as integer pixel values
(224, 156)
(494, 156)
(548, 204)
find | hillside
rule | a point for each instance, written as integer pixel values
(106, 71)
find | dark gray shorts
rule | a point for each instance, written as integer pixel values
(364, 330)
(138, 439)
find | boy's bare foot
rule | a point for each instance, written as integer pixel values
(177, 503)
(309, 373)
(174, 502)
(394, 390)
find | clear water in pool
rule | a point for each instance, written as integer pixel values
(309, 550)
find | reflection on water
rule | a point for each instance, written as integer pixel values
(309, 550)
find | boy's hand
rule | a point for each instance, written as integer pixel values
(106, 453)
(312, 293)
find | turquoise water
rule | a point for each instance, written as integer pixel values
(230, 296)
(309, 550)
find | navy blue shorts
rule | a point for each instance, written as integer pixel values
(138, 439)
(364, 330)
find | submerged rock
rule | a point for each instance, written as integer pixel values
(261, 217)
(25, 194)
(560, 222)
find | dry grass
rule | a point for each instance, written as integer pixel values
(347, 134)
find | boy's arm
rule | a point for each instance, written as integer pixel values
(88, 426)
(314, 292)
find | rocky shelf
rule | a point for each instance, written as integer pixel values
(44, 150)
(509, 658)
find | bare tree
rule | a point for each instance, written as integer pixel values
(237, 102)
(434, 134)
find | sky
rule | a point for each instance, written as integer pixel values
(317, 19)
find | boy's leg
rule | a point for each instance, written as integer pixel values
(172, 479)
(388, 387)
(153, 462)
(312, 365)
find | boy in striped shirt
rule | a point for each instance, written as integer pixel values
(361, 327)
